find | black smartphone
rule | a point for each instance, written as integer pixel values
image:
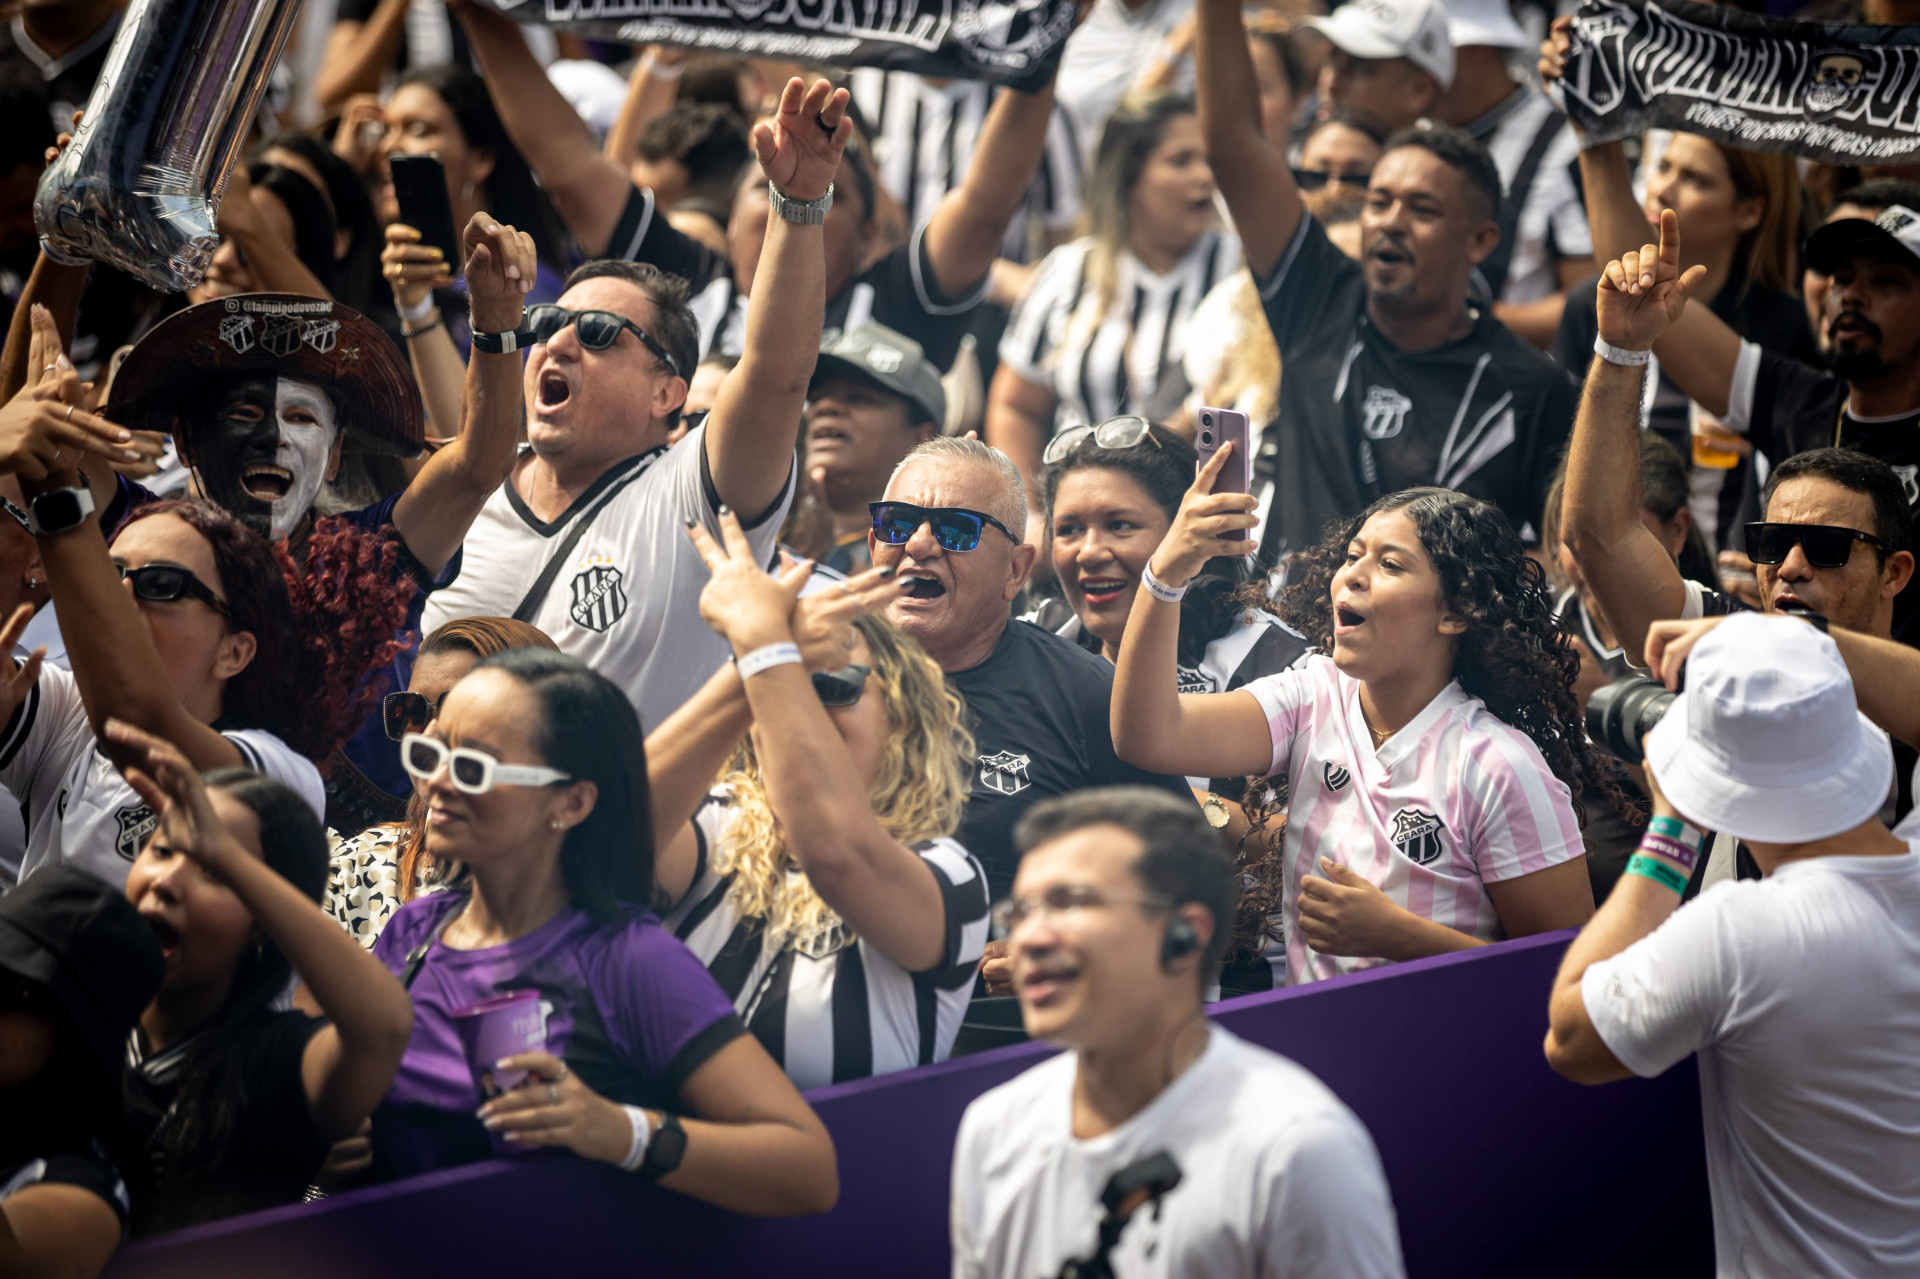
(420, 189)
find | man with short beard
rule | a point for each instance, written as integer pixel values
(1392, 379)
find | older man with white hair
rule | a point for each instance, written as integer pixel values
(953, 525)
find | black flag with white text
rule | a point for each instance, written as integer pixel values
(1011, 42)
(1843, 94)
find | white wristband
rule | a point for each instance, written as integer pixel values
(642, 1135)
(662, 70)
(414, 314)
(766, 658)
(1159, 589)
(1619, 355)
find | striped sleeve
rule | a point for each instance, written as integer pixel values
(1040, 321)
(963, 892)
(1286, 699)
(1524, 819)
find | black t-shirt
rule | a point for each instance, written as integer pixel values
(1796, 408)
(1038, 710)
(1776, 321)
(898, 291)
(1360, 418)
(273, 1150)
(89, 1168)
(66, 81)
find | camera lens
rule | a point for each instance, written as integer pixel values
(1206, 419)
(1621, 713)
(1206, 437)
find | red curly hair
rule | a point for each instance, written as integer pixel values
(319, 632)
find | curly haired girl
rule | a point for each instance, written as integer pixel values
(1432, 753)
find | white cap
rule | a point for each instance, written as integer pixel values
(1412, 29)
(1488, 23)
(1767, 741)
(1894, 235)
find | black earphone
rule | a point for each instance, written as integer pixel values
(1179, 942)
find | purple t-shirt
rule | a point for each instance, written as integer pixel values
(630, 1010)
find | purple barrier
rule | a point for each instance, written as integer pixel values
(1498, 1166)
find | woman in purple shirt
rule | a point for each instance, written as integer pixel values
(535, 779)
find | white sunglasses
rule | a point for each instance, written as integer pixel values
(472, 771)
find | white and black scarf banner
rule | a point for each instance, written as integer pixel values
(1843, 94)
(1015, 43)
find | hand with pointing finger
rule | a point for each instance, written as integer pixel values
(1643, 292)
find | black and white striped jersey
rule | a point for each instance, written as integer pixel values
(841, 1010)
(1099, 365)
(924, 136)
(899, 291)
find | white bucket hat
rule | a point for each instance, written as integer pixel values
(1412, 29)
(1767, 742)
(1488, 23)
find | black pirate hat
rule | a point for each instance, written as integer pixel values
(323, 342)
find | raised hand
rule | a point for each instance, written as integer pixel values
(363, 122)
(501, 263)
(1203, 516)
(1643, 292)
(1555, 48)
(46, 427)
(172, 787)
(19, 681)
(412, 269)
(742, 601)
(800, 147)
(822, 623)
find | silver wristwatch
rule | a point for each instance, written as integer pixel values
(803, 212)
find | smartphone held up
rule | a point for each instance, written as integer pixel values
(420, 189)
(1217, 429)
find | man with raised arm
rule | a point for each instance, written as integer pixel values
(1393, 380)
(586, 539)
(1837, 539)
(926, 289)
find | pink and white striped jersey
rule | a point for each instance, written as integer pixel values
(1455, 800)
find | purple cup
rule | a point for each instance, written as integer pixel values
(505, 1026)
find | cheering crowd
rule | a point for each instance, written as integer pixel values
(766, 578)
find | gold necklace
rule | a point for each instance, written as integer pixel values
(1379, 736)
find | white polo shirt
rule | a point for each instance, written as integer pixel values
(627, 600)
(1454, 801)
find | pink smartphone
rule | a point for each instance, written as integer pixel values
(1226, 426)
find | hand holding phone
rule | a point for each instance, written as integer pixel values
(420, 189)
(1217, 428)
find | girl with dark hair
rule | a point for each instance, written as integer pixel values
(197, 629)
(356, 236)
(385, 866)
(1107, 317)
(1431, 754)
(535, 777)
(233, 1104)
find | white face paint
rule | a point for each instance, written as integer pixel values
(308, 430)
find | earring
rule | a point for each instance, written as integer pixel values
(557, 824)
(466, 191)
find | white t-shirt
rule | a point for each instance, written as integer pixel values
(1278, 1177)
(627, 602)
(79, 809)
(1455, 800)
(1106, 54)
(1801, 994)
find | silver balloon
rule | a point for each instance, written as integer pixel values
(139, 188)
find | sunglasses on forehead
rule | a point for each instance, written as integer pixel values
(1825, 545)
(1115, 433)
(955, 527)
(597, 330)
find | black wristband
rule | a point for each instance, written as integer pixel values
(501, 343)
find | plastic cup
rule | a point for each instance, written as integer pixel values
(502, 1027)
(1714, 447)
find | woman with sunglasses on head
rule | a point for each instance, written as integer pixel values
(1107, 317)
(232, 1104)
(1431, 755)
(384, 867)
(536, 780)
(819, 881)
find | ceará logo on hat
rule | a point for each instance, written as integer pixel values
(885, 359)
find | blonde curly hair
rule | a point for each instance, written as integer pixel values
(919, 794)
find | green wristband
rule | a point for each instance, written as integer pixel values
(1658, 871)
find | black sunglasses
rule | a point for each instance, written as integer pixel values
(842, 687)
(954, 527)
(1314, 180)
(1826, 545)
(597, 330)
(164, 583)
(403, 713)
